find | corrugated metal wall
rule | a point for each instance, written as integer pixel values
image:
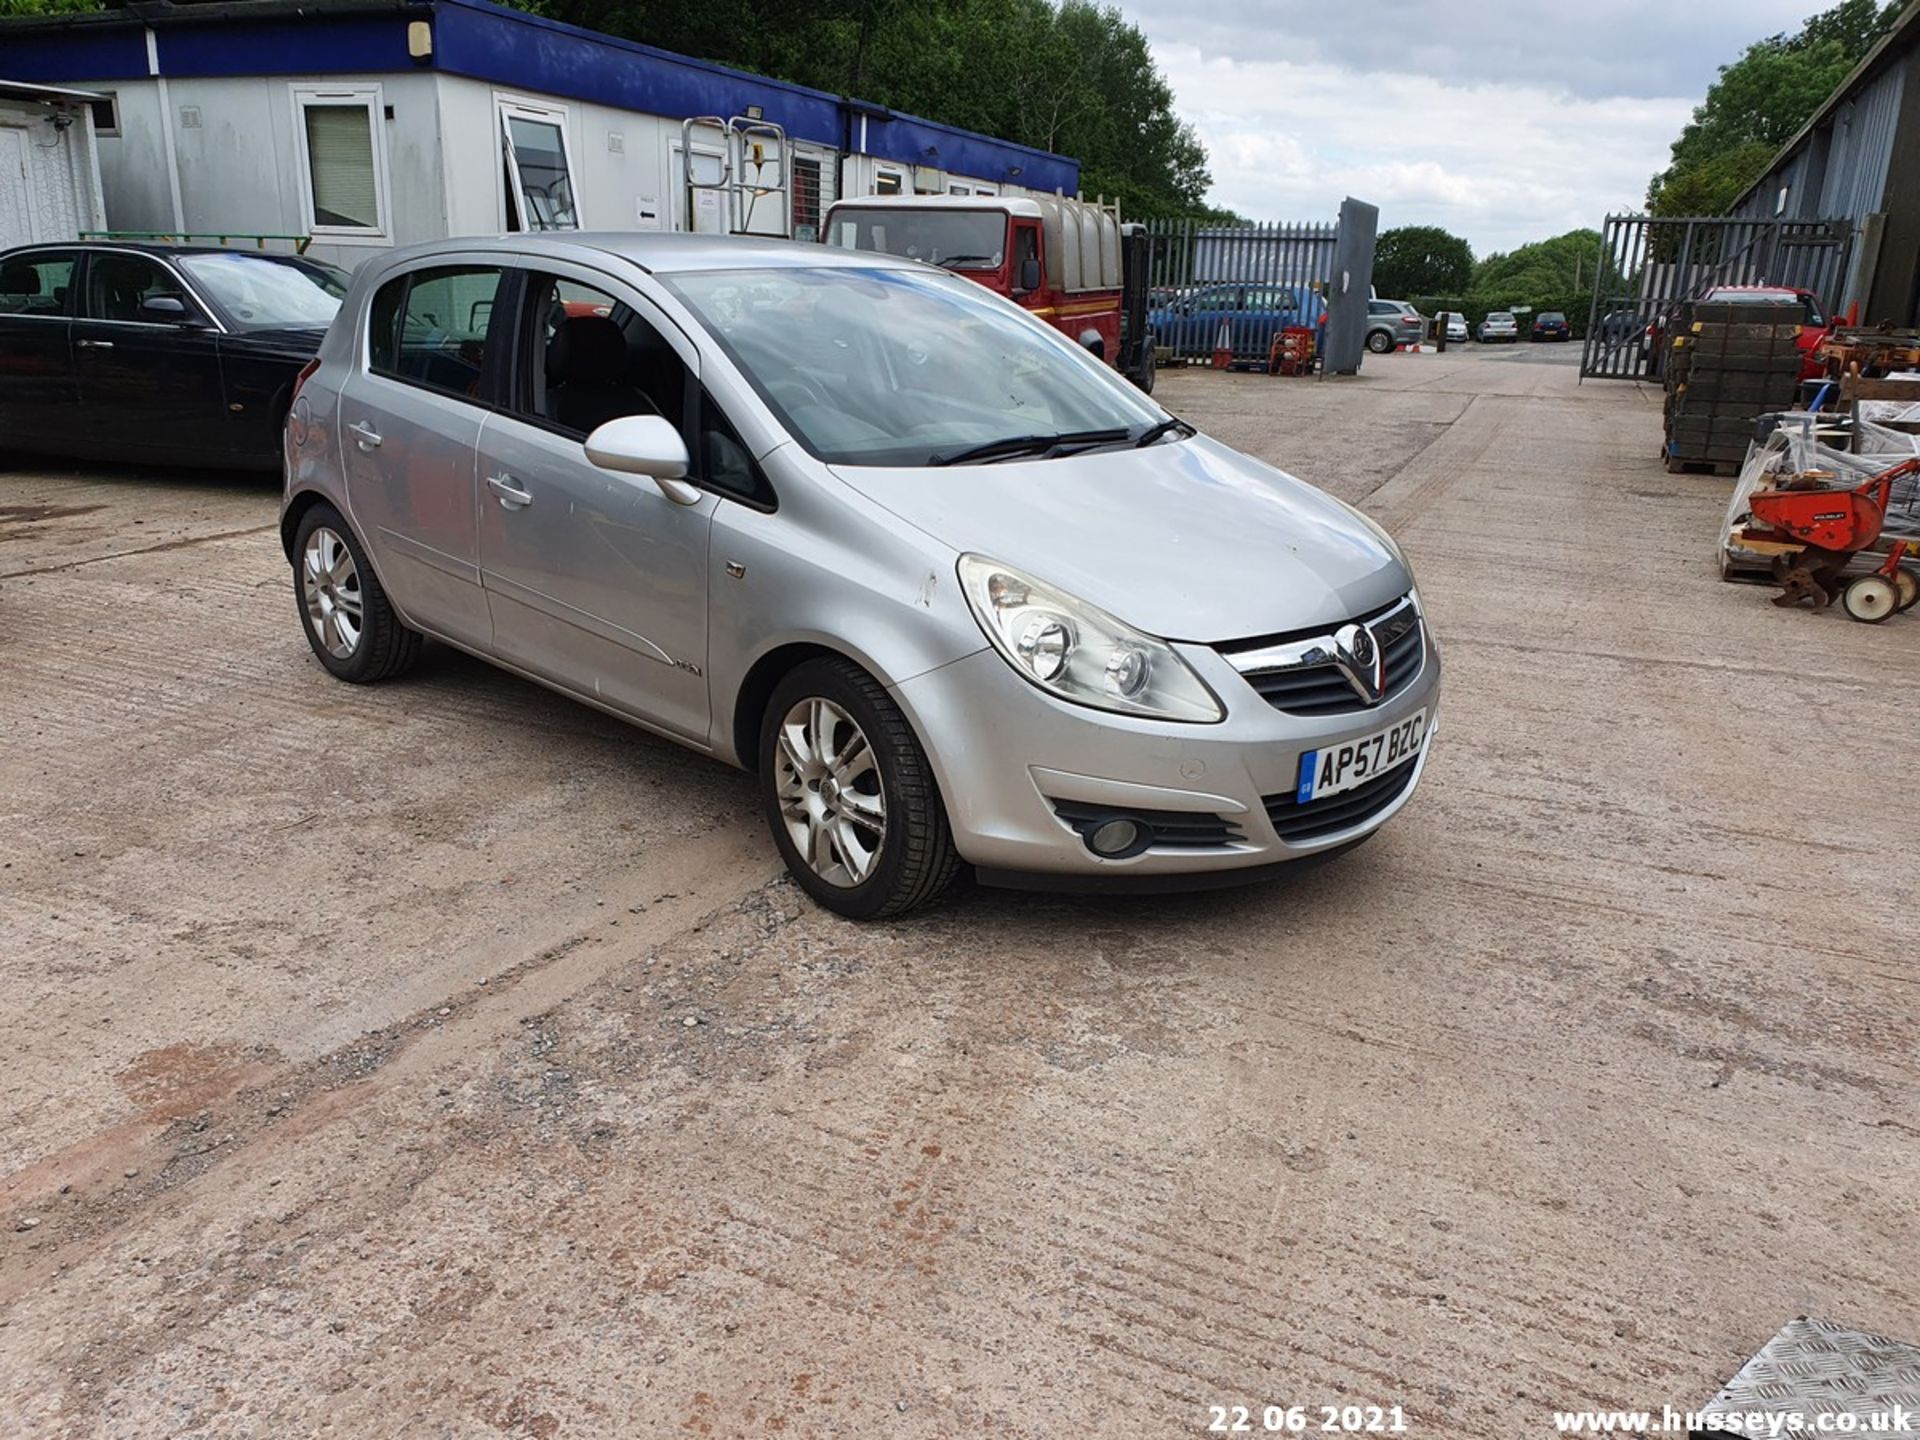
(1841, 172)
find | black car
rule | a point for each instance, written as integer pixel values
(156, 353)
(1551, 325)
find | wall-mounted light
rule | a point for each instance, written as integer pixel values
(419, 40)
(755, 112)
(1012, 171)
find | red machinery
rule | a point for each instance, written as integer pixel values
(1834, 525)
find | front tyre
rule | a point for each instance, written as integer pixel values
(849, 795)
(1379, 342)
(344, 610)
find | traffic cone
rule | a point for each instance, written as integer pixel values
(1222, 348)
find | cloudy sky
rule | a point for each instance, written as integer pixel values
(1502, 120)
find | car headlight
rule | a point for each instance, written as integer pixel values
(1079, 652)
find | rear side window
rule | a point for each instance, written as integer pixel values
(38, 284)
(430, 328)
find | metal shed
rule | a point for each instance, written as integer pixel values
(1857, 159)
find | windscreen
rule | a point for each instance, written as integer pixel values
(956, 239)
(904, 367)
(259, 292)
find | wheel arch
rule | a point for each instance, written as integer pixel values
(757, 687)
(295, 510)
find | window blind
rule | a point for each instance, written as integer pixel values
(340, 161)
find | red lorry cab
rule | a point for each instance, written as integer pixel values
(1059, 258)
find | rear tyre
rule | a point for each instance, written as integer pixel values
(1147, 368)
(344, 610)
(849, 795)
(1908, 586)
(1870, 599)
(1379, 341)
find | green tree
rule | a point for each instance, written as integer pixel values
(1759, 102)
(1421, 260)
(10, 9)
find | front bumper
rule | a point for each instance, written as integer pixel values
(1011, 757)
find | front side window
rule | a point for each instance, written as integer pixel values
(957, 239)
(904, 367)
(340, 143)
(430, 328)
(38, 284)
(589, 358)
(540, 194)
(120, 285)
(257, 292)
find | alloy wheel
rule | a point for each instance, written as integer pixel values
(831, 797)
(330, 588)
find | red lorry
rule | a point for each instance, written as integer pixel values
(1069, 262)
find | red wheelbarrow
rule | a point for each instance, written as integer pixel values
(1832, 525)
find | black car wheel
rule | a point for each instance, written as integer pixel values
(1379, 341)
(849, 795)
(343, 608)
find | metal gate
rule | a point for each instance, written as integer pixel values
(1253, 280)
(1650, 266)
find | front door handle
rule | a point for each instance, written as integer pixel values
(94, 344)
(512, 497)
(364, 435)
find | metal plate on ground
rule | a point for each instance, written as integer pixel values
(1815, 1367)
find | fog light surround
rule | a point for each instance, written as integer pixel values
(1117, 838)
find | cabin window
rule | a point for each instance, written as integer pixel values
(538, 168)
(343, 168)
(886, 182)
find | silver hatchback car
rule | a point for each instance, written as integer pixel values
(957, 593)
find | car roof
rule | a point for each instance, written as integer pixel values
(160, 250)
(659, 252)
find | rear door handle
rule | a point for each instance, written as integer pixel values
(512, 497)
(364, 435)
(94, 344)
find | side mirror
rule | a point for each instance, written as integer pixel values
(645, 445)
(167, 310)
(1029, 278)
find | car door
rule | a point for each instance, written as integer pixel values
(410, 416)
(147, 356)
(39, 392)
(596, 581)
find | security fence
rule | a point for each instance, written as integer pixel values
(1650, 266)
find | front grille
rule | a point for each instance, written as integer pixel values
(1299, 824)
(1321, 688)
(1169, 829)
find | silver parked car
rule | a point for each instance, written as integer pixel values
(1498, 326)
(958, 593)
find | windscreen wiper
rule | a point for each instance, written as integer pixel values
(1165, 427)
(953, 260)
(1046, 445)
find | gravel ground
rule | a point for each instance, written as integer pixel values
(449, 1060)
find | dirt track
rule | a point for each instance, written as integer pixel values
(449, 1060)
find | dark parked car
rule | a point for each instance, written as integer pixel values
(1551, 325)
(157, 353)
